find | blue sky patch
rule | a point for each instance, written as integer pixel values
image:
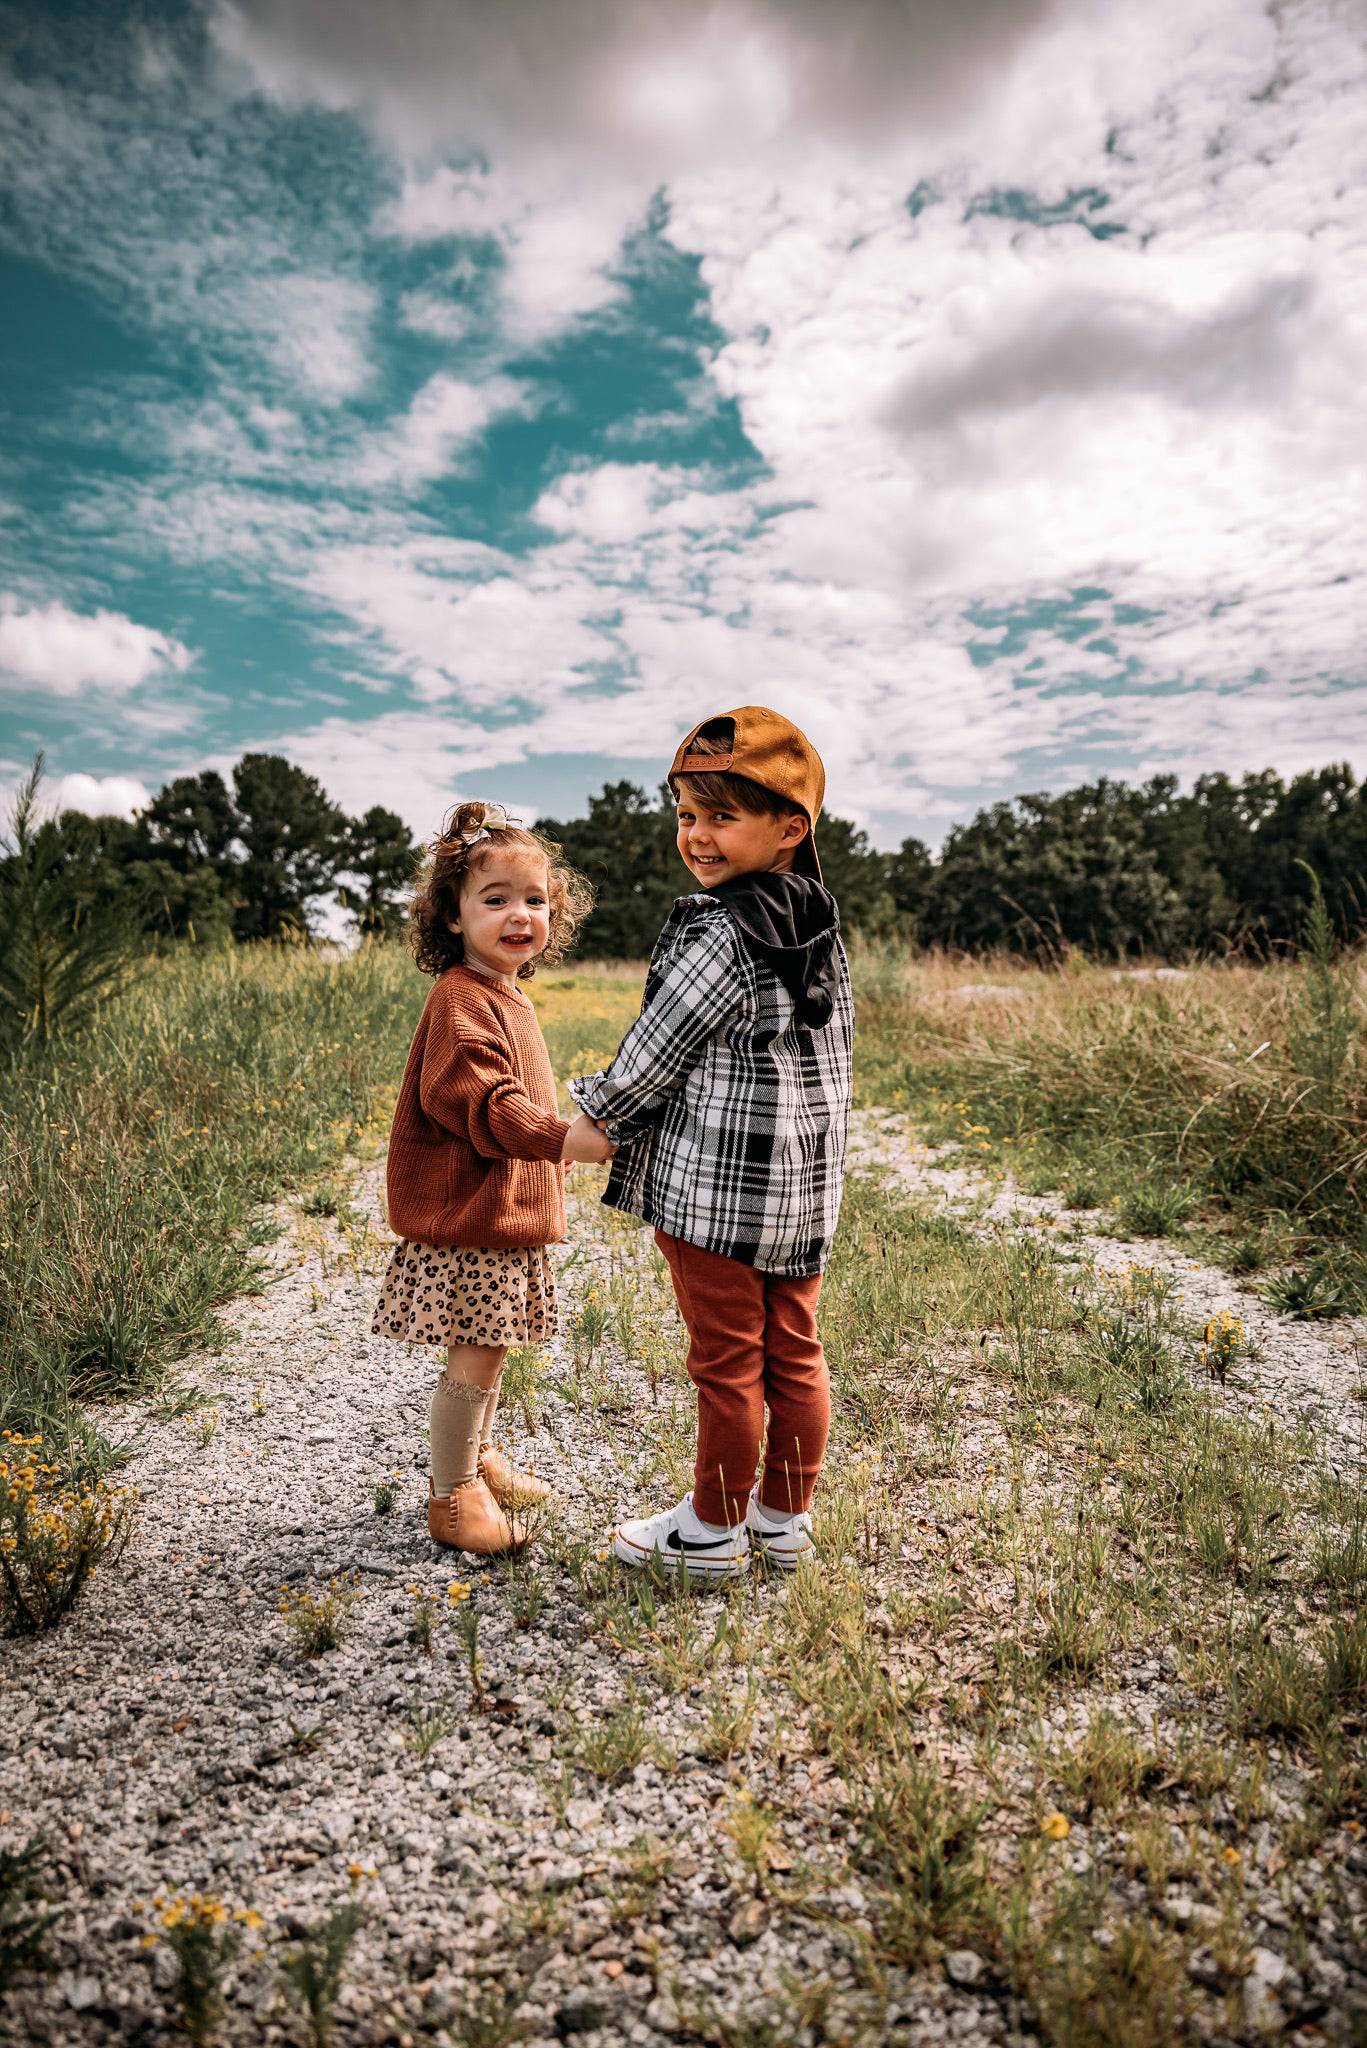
(421, 407)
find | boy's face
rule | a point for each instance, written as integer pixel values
(717, 845)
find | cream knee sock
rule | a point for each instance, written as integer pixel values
(490, 1410)
(457, 1418)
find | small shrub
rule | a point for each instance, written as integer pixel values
(320, 1620)
(526, 1595)
(523, 1371)
(384, 1494)
(204, 1935)
(1223, 1340)
(55, 1529)
(1136, 1357)
(331, 1199)
(304, 1741)
(1076, 1606)
(1307, 1292)
(25, 1916)
(491, 2015)
(919, 1841)
(1157, 1210)
(313, 1971)
(730, 1725)
(427, 1726)
(1106, 1766)
(467, 1626)
(202, 1426)
(1339, 1559)
(1344, 1652)
(1129, 1989)
(423, 1620)
(1275, 1689)
(588, 1325)
(613, 1748)
(751, 1828)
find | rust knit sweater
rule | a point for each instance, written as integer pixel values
(474, 1155)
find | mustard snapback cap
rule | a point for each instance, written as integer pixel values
(769, 749)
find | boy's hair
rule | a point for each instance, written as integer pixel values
(472, 833)
(724, 791)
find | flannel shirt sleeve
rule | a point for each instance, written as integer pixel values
(469, 1086)
(697, 992)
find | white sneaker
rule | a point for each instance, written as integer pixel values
(784, 1544)
(677, 1540)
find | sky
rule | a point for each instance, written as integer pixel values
(463, 401)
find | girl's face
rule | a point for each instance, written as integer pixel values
(505, 912)
(716, 845)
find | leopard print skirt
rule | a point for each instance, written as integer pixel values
(452, 1294)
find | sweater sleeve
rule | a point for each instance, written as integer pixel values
(697, 993)
(468, 1085)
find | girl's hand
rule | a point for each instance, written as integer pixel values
(587, 1143)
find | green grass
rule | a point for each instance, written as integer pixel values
(142, 1154)
(1231, 1105)
(1032, 1489)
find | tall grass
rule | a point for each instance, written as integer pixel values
(140, 1154)
(1243, 1090)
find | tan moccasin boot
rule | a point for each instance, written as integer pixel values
(510, 1487)
(469, 1518)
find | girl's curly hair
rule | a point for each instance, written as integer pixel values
(470, 834)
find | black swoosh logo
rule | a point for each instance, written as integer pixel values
(677, 1542)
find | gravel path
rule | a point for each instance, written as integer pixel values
(169, 1735)
(1295, 1368)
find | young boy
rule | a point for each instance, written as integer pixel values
(729, 1103)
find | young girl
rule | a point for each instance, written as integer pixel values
(477, 1155)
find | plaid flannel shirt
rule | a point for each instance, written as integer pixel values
(731, 1117)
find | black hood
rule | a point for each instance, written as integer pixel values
(791, 923)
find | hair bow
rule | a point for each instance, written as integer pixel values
(496, 819)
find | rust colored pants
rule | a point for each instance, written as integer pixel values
(752, 1343)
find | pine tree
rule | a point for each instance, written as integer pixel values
(53, 970)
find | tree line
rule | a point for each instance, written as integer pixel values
(1109, 868)
(206, 861)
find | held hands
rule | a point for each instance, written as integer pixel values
(586, 1143)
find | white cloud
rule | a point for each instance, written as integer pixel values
(1070, 346)
(653, 89)
(446, 416)
(442, 319)
(956, 410)
(613, 503)
(136, 178)
(49, 647)
(961, 409)
(463, 621)
(316, 330)
(100, 796)
(417, 763)
(557, 250)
